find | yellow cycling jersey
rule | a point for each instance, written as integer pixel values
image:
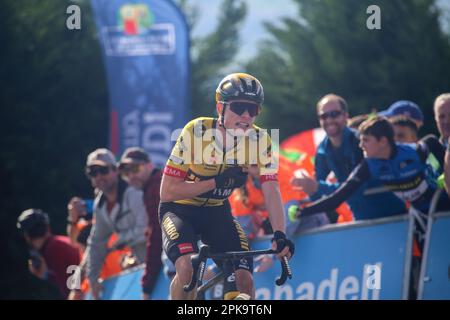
(200, 154)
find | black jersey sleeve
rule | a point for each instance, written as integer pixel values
(430, 144)
(358, 176)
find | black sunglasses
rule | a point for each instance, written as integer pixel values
(331, 114)
(92, 172)
(131, 168)
(239, 107)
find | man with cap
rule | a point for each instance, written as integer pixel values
(136, 168)
(406, 108)
(51, 255)
(117, 208)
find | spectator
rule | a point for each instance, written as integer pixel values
(340, 153)
(442, 116)
(137, 169)
(79, 225)
(405, 129)
(112, 265)
(117, 208)
(51, 255)
(406, 108)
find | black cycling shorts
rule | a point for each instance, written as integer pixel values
(183, 225)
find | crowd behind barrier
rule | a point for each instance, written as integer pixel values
(382, 263)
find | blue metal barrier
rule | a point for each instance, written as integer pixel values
(434, 281)
(363, 260)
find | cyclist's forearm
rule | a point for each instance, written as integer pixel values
(172, 190)
(274, 205)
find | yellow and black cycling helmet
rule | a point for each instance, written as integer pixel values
(238, 86)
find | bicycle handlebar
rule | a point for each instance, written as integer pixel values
(199, 261)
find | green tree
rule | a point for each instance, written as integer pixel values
(212, 55)
(328, 48)
(54, 109)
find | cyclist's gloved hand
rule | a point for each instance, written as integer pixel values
(281, 241)
(232, 177)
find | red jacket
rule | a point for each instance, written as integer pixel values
(59, 254)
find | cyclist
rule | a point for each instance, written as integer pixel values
(209, 160)
(401, 168)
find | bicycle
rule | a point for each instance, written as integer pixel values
(199, 263)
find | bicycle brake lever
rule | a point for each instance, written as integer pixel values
(285, 272)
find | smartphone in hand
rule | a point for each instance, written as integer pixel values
(89, 204)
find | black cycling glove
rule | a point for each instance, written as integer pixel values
(232, 177)
(281, 241)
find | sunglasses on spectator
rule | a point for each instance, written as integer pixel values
(330, 114)
(92, 172)
(124, 170)
(239, 107)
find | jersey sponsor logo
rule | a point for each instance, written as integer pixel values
(170, 229)
(268, 177)
(222, 192)
(409, 193)
(405, 186)
(243, 263)
(242, 237)
(185, 247)
(174, 172)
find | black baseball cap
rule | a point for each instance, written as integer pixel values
(134, 155)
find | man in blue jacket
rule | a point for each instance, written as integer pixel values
(340, 153)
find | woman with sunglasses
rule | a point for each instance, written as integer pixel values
(208, 161)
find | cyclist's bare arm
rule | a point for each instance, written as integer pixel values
(272, 196)
(173, 188)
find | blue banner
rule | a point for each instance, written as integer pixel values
(146, 50)
(361, 261)
(436, 274)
